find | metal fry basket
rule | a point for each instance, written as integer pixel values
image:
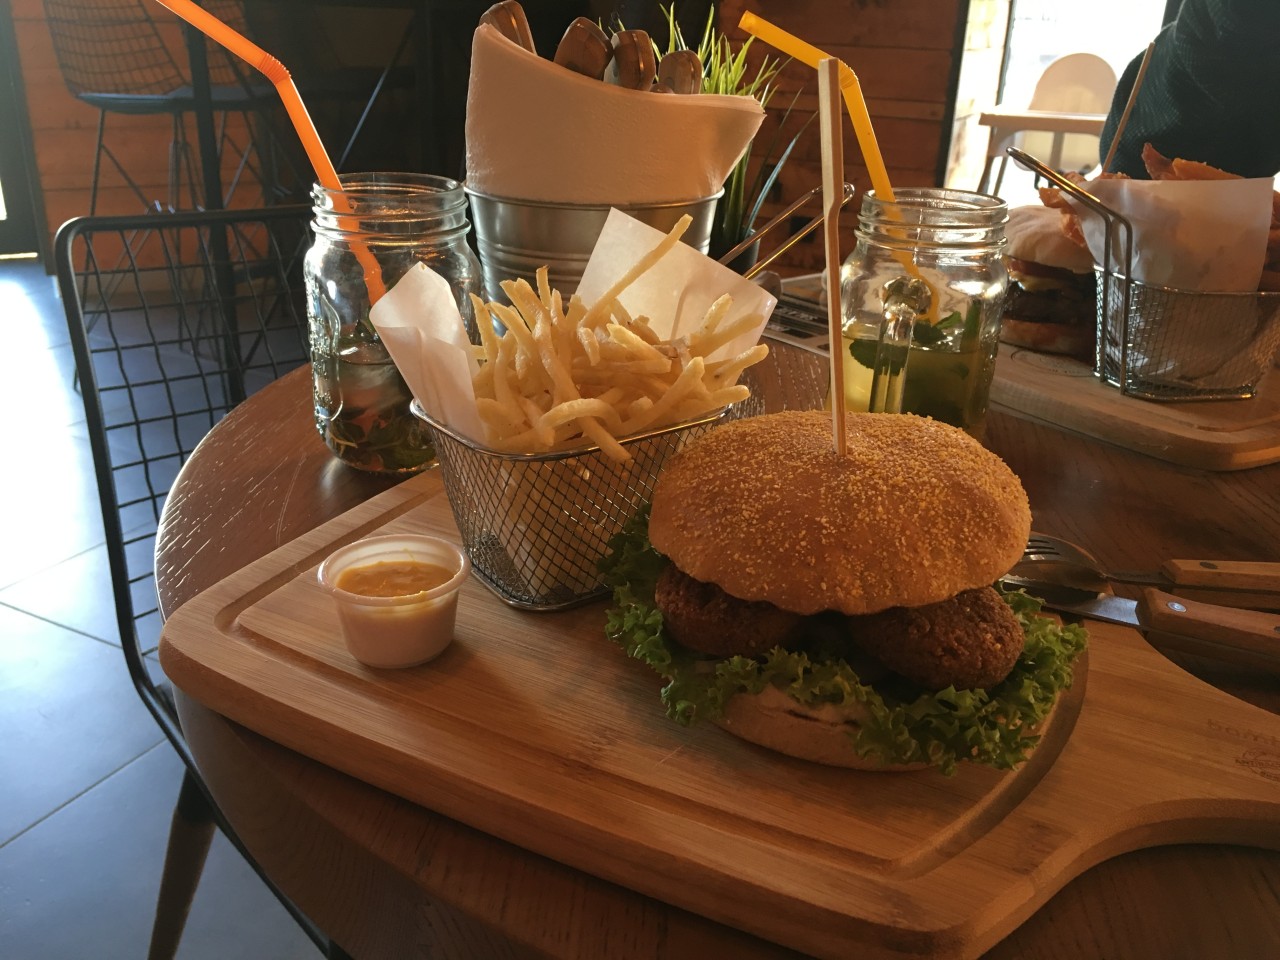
(535, 526)
(1162, 343)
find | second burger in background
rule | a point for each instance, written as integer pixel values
(1052, 301)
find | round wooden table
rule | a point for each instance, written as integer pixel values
(389, 879)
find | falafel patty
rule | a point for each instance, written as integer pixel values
(970, 641)
(703, 617)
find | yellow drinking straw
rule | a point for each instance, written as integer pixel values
(274, 70)
(806, 53)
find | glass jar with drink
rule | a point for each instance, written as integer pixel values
(385, 223)
(921, 296)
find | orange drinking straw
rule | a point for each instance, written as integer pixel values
(275, 71)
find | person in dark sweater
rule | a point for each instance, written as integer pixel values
(1211, 93)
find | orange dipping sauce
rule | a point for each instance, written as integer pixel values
(393, 578)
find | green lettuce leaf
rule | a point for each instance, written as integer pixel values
(904, 726)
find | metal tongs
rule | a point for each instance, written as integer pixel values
(792, 240)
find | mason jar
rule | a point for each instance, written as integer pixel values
(386, 223)
(921, 299)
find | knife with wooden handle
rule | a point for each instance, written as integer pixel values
(1232, 574)
(1245, 637)
(584, 49)
(509, 19)
(634, 64)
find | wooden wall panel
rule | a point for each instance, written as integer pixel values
(64, 131)
(903, 52)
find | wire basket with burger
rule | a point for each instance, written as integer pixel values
(1187, 272)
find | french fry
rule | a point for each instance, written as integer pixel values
(562, 413)
(640, 327)
(544, 287)
(635, 344)
(590, 345)
(604, 440)
(484, 321)
(728, 371)
(705, 346)
(689, 380)
(603, 305)
(620, 314)
(498, 416)
(565, 376)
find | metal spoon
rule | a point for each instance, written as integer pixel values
(681, 71)
(634, 65)
(508, 16)
(584, 49)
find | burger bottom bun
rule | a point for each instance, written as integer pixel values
(1070, 339)
(773, 720)
(820, 735)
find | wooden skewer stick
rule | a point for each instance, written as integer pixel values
(1128, 106)
(832, 136)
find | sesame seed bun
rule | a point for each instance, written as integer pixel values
(915, 512)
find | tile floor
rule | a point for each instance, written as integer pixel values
(87, 784)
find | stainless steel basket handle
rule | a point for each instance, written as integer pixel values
(1111, 218)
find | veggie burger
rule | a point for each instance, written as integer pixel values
(841, 609)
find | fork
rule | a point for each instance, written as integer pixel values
(1064, 563)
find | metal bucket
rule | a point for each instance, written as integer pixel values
(516, 237)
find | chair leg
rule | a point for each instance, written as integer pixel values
(985, 181)
(190, 834)
(97, 163)
(1000, 176)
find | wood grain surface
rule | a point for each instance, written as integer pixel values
(1221, 435)
(532, 727)
(389, 878)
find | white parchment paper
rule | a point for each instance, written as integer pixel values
(1205, 239)
(676, 293)
(419, 322)
(1206, 235)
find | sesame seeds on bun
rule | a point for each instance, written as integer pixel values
(914, 513)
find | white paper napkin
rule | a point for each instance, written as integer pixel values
(537, 131)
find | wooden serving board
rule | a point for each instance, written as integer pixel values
(1210, 435)
(534, 728)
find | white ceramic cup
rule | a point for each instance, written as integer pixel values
(396, 631)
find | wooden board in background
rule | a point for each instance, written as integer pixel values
(534, 728)
(1210, 435)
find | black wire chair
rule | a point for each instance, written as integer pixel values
(174, 319)
(113, 56)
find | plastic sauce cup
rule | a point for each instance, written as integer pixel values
(396, 631)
